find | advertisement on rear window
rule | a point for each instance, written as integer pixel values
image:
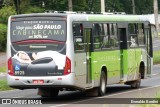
(24, 30)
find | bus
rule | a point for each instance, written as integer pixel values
(72, 51)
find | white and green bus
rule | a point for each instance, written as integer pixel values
(60, 51)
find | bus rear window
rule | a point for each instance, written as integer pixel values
(38, 29)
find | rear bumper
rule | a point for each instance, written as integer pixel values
(21, 82)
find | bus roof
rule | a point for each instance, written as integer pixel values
(89, 17)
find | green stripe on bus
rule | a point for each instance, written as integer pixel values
(112, 18)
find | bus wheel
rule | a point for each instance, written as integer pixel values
(54, 92)
(136, 84)
(102, 87)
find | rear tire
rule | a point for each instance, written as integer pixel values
(137, 83)
(51, 92)
(102, 87)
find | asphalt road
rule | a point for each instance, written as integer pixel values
(149, 88)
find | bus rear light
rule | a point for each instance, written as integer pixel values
(10, 67)
(67, 68)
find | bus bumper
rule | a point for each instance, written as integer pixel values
(21, 82)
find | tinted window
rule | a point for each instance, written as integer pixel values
(141, 40)
(133, 40)
(78, 36)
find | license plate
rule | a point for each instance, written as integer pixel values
(38, 81)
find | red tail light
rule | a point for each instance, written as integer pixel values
(10, 67)
(67, 68)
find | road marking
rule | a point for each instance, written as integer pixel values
(60, 105)
(155, 74)
(106, 96)
(130, 91)
(19, 97)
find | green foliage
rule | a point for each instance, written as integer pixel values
(1, 3)
(126, 5)
(80, 5)
(4, 86)
(24, 6)
(5, 12)
(144, 6)
(29, 6)
(34, 9)
(3, 69)
(156, 57)
(114, 6)
(57, 5)
(3, 36)
(7, 3)
(96, 6)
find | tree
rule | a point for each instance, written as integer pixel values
(70, 7)
(57, 5)
(133, 7)
(144, 6)
(96, 6)
(80, 5)
(155, 5)
(5, 12)
(1, 3)
(3, 37)
(34, 9)
(114, 6)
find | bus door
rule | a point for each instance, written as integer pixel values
(123, 46)
(82, 45)
(148, 40)
(87, 32)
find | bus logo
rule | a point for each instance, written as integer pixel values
(17, 68)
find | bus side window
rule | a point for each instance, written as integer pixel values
(105, 38)
(97, 36)
(78, 36)
(113, 36)
(133, 40)
(141, 38)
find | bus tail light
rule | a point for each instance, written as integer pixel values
(67, 68)
(10, 67)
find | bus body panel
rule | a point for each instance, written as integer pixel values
(134, 59)
(50, 68)
(51, 81)
(80, 69)
(78, 75)
(110, 60)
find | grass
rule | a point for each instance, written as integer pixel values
(157, 96)
(3, 69)
(4, 86)
(156, 57)
(149, 105)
